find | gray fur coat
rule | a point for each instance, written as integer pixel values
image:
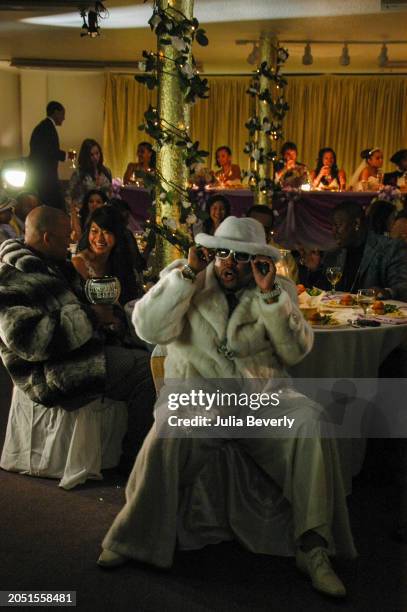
(48, 341)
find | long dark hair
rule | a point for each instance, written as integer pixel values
(149, 146)
(208, 223)
(85, 163)
(120, 258)
(84, 211)
(334, 169)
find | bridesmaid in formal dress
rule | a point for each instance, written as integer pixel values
(229, 173)
(327, 175)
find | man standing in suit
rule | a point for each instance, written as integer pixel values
(45, 155)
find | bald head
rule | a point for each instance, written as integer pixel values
(48, 231)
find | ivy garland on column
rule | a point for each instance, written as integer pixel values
(274, 97)
(173, 28)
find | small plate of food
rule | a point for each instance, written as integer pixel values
(387, 311)
(347, 300)
(321, 320)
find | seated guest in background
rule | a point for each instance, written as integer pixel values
(45, 155)
(217, 208)
(367, 260)
(80, 213)
(146, 163)
(24, 203)
(139, 258)
(380, 216)
(264, 215)
(104, 251)
(290, 172)
(368, 175)
(327, 174)
(6, 215)
(398, 178)
(399, 227)
(261, 323)
(91, 173)
(51, 341)
(229, 174)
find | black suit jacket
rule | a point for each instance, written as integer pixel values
(390, 178)
(45, 155)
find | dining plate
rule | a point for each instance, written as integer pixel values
(337, 304)
(331, 325)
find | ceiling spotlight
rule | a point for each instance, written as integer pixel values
(90, 25)
(344, 60)
(254, 56)
(383, 57)
(307, 58)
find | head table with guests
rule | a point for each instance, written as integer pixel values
(312, 285)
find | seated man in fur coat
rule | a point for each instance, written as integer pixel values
(49, 338)
(229, 318)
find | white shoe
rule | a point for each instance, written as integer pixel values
(317, 565)
(108, 558)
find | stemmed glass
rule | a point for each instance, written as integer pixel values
(365, 298)
(334, 275)
(72, 158)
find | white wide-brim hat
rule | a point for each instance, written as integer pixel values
(245, 235)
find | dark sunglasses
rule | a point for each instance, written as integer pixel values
(237, 255)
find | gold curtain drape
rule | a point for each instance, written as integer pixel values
(214, 122)
(346, 113)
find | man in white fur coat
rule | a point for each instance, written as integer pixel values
(231, 319)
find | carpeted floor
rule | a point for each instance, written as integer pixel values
(50, 539)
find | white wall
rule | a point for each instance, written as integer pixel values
(10, 127)
(24, 95)
(81, 93)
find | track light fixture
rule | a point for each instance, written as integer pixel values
(307, 58)
(90, 26)
(344, 60)
(383, 57)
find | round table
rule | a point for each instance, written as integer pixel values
(343, 367)
(351, 352)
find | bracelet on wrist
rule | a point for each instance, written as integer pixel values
(188, 273)
(272, 295)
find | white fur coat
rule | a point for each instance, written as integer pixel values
(192, 318)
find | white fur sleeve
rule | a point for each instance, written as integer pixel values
(159, 316)
(291, 335)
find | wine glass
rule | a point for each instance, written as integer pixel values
(334, 275)
(72, 156)
(365, 298)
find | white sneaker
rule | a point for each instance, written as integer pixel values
(108, 558)
(317, 565)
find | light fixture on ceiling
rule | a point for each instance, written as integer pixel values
(383, 57)
(307, 58)
(90, 26)
(254, 55)
(344, 60)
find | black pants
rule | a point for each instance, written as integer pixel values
(129, 379)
